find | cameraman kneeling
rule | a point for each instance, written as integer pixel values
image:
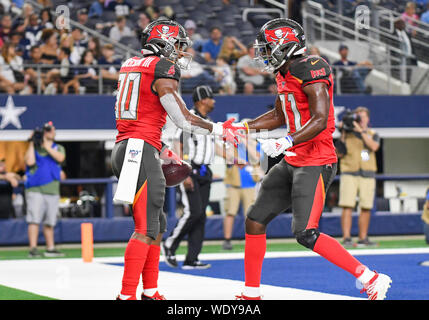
(358, 168)
(43, 160)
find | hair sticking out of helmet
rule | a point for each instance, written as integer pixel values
(278, 41)
(168, 39)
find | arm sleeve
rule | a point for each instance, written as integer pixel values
(310, 70)
(167, 69)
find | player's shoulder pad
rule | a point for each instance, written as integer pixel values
(167, 69)
(310, 69)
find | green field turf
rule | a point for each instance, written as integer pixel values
(208, 247)
(7, 293)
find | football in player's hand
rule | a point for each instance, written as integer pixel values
(175, 174)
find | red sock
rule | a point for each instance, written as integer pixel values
(151, 268)
(135, 257)
(333, 251)
(254, 252)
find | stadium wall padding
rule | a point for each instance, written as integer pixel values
(97, 111)
(119, 229)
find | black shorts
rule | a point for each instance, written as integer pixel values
(302, 188)
(148, 214)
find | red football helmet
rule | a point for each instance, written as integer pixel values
(277, 41)
(168, 39)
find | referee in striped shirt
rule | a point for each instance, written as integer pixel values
(195, 190)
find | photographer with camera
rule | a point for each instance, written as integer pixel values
(356, 150)
(43, 161)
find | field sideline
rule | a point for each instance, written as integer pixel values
(60, 278)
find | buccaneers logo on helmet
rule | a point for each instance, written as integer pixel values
(285, 33)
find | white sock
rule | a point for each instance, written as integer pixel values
(150, 292)
(252, 292)
(366, 276)
(124, 297)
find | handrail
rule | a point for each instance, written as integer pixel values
(246, 11)
(353, 32)
(373, 30)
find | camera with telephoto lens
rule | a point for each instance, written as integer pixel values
(38, 134)
(348, 119)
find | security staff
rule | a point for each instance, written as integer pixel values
(199, 151)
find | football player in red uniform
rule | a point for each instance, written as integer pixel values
(305, 104)
(147, 93)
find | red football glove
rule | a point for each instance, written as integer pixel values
(230, 133)
(170, 157)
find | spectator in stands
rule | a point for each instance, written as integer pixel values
(42, 189)
(46, 20)
(78, 45)
(232, 49)
(407, 57)
(212, 46)
(6, 191)
(35, 57)
(410, 17)
(224, 76)
(141, 24)
(34, 30)
(425, 15)
(425, 217)
(196, 38)
(49, 46)
(122, 8)
(96, 9)
(149, 9)
(353, 73)
(6, 27)
(12, 78)
(57, 78)
(45, 3)
(120, 30)
(358, 168)
(86, 76)
(94, 46)
(241, 179)
(110, 74)
(196, 76)
(250, 71)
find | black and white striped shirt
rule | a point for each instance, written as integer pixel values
(197, 148)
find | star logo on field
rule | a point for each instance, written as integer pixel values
(10, 114)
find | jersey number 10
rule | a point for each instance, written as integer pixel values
(127, 98)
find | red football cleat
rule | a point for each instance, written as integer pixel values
(118, 297)
(243, 297)
(156, 296)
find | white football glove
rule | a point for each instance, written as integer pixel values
(275, 147)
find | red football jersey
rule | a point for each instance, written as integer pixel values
(139, 113)
(310, 69)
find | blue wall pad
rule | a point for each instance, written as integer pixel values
(14, 231)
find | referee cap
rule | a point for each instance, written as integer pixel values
(202, 92)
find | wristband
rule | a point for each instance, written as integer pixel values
(217, 129)
(247, 126)
(290, 139)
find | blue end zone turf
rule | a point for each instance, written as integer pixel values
(409, 280)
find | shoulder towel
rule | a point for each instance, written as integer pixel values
(127, 183)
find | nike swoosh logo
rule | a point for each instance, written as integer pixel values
(314, 62)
